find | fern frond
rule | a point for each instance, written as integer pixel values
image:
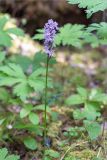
(92, 6)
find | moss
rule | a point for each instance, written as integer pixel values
(53, 129)
(83, 155)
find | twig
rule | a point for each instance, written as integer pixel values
(99, 152)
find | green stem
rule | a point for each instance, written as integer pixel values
(46, 89)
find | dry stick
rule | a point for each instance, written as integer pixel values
(105, 151)
(99, 152)
(71, 147)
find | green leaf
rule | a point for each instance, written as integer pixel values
(2, 56)
(37, 84)
(38, 72)
(15, 31)
(97, 158)
(41, 108)
(30, 143)
(3, 21)
(34, 118)
(90, 5)
(47, 158)
(12, 157)
(93, 129)
(100, 97)
(70, 35)
(74, 99)
(24, 61)
(23, 85)
(8, 81)
(22, 90)
(5, 39)
(4, 155)
(83, 92)
(25, 111)
(78, 114)
(101, 33)
(1, 121)
(29, 127)
(39, 35)
(38, 60)
(52, 153)
(4, 95)
(90, 112)
(11, 69)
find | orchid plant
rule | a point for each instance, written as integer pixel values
(50, 29)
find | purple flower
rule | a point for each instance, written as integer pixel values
(50, 29)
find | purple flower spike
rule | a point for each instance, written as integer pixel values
(50, 29)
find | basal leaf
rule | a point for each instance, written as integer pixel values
(25, 111)
(93, 129)
(74, 99)
(30, 143)
(34, 118)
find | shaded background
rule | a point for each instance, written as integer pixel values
(33, 14)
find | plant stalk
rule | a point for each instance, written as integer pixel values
(46, 100)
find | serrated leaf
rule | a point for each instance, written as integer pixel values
(12, 74)
(22, 90)
(8, 81)
(24, 61)
(70, 35)
(15, 31)
(11, 69)
(39, 35)
(37, 84)
(90, 5)
(100, 38)
(4, 155)
(5, 34)
(3, 21)
(37, 72)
